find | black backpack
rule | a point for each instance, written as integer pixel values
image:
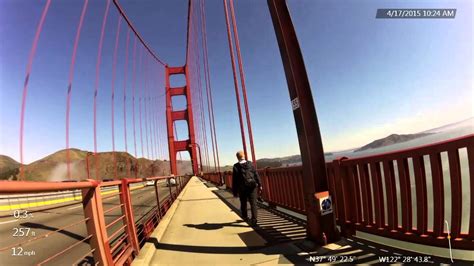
(248, 175)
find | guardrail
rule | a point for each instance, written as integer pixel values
(115, 225)
(213, 177)
(387, 194)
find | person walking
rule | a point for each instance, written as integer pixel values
(246, 184)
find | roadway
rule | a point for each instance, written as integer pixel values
(51, 218)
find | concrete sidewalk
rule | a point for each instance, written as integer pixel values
(201, 229)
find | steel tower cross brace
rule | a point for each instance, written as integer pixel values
(174, 145)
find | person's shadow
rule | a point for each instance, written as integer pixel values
(215, 226)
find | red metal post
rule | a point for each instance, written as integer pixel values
(405, 195)
(92, 204)
(390, 184)
(421, 196)
(157, 199)
(309, 136)
(438, 190)
(343, 203)
(126, 200)
(456, 192)
(470, 160)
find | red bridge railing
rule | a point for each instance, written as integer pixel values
(116, 227)
(387, 194)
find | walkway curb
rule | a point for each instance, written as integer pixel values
(148, 250)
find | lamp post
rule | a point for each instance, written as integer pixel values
(199, 150)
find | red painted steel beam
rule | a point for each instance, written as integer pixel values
(93, 209)
(10, 187)
(309, 136)
(177, 91)
(179, 115)
(127, 210)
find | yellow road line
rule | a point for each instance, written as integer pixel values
(54, 201)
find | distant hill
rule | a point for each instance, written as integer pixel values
(8, 167)
(54, 167)
(391, 139)
(275, 162)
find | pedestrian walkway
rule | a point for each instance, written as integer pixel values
(203, 228)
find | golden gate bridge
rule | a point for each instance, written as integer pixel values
(113, 222)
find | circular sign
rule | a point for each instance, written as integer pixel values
(326, 204)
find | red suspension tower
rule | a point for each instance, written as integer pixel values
(174, 145)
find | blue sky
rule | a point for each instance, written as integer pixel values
(370, 77)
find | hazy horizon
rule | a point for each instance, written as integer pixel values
(458, 125)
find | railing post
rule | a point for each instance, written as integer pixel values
(157, 199)
(168, 182)
(92, 204)
(343, 198)
(270, 200)
(221, 178)
(125, 199)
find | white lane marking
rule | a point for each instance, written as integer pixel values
(383, 250)
(371, 246)
(74, 207)
(7, 222)
(360, 243)
(350, 240)
(398, 254)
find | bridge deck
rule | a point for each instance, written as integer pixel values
(203, 227)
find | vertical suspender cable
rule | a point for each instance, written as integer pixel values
(208, 88)
(201, 102)
(69, 87)
(150, 114)
(27, 78)
(96, 85)
(134, 83)
(125, 101)
(198, 93)
(140, 103)
(242, 81)
(114, 69)
(237, 95)
(150, 110)
(145, 96)
(157, 126)
(176, 134)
